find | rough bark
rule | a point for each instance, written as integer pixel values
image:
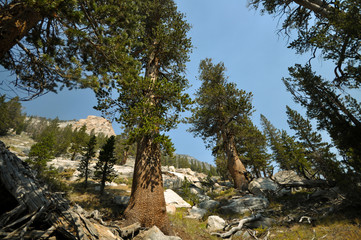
(16, 20)
(147, 204)
(234, 164)
(36, 206)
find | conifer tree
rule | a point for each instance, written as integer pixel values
(287, 152)
(220, 112)
(145, 93)
(330, 29)
(84, 165)
(42, 152)
(318, 153)
(104, 170)
(79, 139)
(11, 116)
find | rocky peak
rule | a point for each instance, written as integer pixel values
(98, 124)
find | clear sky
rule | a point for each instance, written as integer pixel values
(255, 56)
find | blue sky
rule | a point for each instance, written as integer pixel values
(255, 56)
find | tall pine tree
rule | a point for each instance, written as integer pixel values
(220, 112)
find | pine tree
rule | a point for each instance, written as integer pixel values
(318, 153)
(330, 28)
(220, 111)
(11, 116)
(287, 152)
(80, 137)
(42, 152)
(104, 168)
(146, 91)
(84, 165)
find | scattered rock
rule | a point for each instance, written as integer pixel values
(203, 198)
(209, 205)
(172, 198)
(196, 213)
(262, 186)
(245, 204)
(285, 177)
(154, 234)
(215, 223)
(121, 200)
(195, 190)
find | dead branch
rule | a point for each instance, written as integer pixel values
(239, 227)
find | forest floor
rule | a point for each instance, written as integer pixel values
(343, 223)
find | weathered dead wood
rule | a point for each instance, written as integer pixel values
(239, 227)
(13, 214)
(37, 204)
(129, 230)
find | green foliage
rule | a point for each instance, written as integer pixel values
(318, 153)
(158, 47)
(288, 153)
(104, 168)
(339, 116)
(332, 30)
(123, 149)
(252, 148)
(187, 195)
(79, 140)
(220, 107)
(222, 169)
(11, 116)
(89, 153)
(42, 152)
(42, 60)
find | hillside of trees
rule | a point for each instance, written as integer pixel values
(133, 56)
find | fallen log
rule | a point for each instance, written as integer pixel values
(35, 204)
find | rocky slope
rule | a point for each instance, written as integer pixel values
(93, 123)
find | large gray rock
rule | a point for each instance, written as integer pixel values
(172, 198)
(262, 186)
(172, 181)
(285, 177)
(215, 223)
(154, 234)
(245, 204)
(208, 205)
(196, 213)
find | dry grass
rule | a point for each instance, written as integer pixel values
(335, 231)
(90, 200)
(189, 229)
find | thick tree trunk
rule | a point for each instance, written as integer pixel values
(235, 166)
(16, 19)
(147, 204)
